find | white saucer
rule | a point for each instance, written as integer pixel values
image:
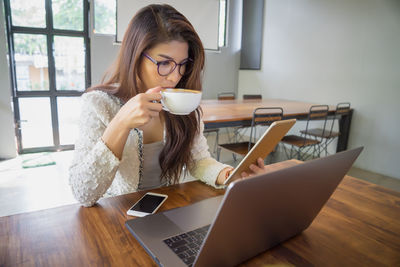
(175, 113)
(178, 113)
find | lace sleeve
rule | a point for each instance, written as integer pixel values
(93, 166)
(205, 168)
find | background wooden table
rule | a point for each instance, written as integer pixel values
(219, 111)
(238, 112)
(359, 226)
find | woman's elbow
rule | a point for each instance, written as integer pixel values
(85, 200)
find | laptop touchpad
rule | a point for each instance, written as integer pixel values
(195, 215)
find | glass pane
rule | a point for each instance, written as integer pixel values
(104, 16)
(69, 109)
(69, 56)
(28, 13)
(30, 52)
(68, 14)
(222, 21)
(36, 127)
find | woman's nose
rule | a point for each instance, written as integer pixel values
(174, 76)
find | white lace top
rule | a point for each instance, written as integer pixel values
(95, 172)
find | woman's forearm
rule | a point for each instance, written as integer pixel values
(115, 137)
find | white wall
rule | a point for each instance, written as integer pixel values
(331, 51)
(7, 139)
(221, 67)
(103, 52)
(221, 70)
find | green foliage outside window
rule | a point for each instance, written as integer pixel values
(104, 16)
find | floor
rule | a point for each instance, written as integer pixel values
(43, 187)
(36, 188)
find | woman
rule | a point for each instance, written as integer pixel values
(127, 142)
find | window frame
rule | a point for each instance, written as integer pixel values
(52, 93)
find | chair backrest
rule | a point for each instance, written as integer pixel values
(263, 116)
(226, 96)
(317, 112)
(342, 109)
(252, 96)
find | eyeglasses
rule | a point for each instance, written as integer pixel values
(166, 67)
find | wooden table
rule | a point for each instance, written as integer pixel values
(359, 226)
(238, 112)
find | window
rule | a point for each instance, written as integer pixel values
(104, 17)
(222, 23)
(210, 30)
(28, 13)
(67, 14)
(30, 57)
(50, 66)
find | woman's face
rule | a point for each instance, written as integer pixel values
(174, 50)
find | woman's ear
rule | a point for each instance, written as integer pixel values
(139, 80)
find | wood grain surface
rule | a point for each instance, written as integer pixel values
(359, 226)
(238, 112)
(239, 109)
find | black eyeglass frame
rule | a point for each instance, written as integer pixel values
(170, 60)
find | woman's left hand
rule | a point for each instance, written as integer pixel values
(260, 168)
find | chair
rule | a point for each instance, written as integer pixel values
(206, 132)
(237, 131)
(261, 116)
(226, 96)
(302, 145)
(327, 135)
(247, 97)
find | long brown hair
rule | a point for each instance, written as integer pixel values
(152, 25)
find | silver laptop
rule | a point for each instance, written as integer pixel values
(252, 216)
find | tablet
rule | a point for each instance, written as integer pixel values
(272, 136)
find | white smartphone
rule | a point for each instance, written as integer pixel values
(148, 204)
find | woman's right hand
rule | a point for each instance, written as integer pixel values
(140, 109)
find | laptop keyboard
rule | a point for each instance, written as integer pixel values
(187, 245)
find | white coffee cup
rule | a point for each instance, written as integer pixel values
(180, 101)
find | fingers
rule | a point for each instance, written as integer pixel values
(145, 98)
(148, 101)
(154, 90)
(153, 113)
(255, 169)
(140, 109)
(155, 107)
(260, 163)
(151, 97)
(259, 168)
